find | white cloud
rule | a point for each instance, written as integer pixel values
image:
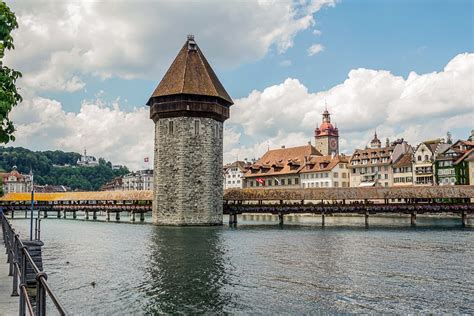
(315, 49)
(105, 130)
(285, 63)
(317, 32)
(417, 108)
(59, 42)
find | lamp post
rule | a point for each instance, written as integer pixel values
(32, 204)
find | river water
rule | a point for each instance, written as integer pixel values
(261, 268)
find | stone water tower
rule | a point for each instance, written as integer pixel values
(188, 107)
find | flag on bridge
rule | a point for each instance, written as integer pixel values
(261, 181)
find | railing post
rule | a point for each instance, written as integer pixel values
(13, 261)
(22, 281)
(40, 295)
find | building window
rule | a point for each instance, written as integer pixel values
(426, 158)
(170, 127)
(336, 175)
(296, 180)
(251, 183)
(289, 181)
(196, 127)
(336, 184)
(419, 158)
(282, 181)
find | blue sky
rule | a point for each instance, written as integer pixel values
(399, 36)
(89, 68)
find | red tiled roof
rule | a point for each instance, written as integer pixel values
(323, 163)
(466, 154)
(282, 161)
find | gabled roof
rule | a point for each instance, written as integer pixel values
(404, 160)
(468, 153)
(190, 73)
(242, 165)
(282, 159)
(323, 163)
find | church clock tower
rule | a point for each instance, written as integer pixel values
(327, 136)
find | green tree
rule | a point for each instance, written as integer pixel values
(9, 96)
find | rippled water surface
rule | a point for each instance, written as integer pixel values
(260, 267)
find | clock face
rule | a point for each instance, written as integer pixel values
(333, 143)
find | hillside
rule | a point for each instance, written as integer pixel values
(58, 168)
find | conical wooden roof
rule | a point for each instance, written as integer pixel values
(190, 73)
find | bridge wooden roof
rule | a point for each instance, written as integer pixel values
(457, 191)
(82, 196)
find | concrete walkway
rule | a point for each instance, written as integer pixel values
(8, 304)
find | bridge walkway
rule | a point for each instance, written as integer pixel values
(8, 304)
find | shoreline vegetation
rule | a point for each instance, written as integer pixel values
(59, 168)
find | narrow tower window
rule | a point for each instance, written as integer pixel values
(196, 127)
(170, 127)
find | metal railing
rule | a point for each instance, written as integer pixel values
(19, 259)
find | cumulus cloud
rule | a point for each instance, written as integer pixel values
(58, 42)
(420, 107)
(104, 129)
(315, 49)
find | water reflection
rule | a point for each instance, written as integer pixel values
(186, 271)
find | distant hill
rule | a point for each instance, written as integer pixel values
(58, 168)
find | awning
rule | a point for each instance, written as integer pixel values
(367, 184)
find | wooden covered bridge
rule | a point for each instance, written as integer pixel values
(323, 201)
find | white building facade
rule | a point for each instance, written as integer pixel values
(234, 175)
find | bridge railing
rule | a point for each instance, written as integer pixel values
(20, 259)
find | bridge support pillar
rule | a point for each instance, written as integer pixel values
(281, 219)
(142, 217)
(463, 218)
(117, 216)
(64, 213)
(87, 215)
(94, 215)
(26, 213)
(45, 213)
(366, 219)
(323, 219)
(233, 219)
(132, 216)
(413, 218)
(74, 215)
(12, 215)
(108, 215)
(59, 214)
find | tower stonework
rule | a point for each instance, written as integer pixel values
(188, 108)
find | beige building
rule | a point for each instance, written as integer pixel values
(14, 181)
(371, 166)
(139, 180)
(424, 161)
(402, 170)
(279, 167)
(325, 172)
